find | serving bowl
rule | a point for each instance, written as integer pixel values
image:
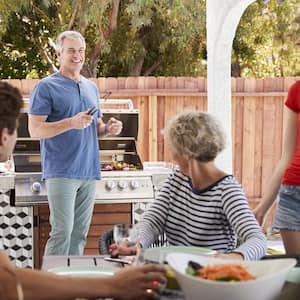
(294, 275)
(270, 277)
(159, 254)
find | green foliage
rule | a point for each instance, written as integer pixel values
(264, 45)
(161, 33)
(148, 37)
(19, 53)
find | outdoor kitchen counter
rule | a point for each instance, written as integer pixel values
(121, 197)
(114, 187)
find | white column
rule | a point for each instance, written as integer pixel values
(222, 19)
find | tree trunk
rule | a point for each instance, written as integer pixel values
(152, 68)
(236, 69)
(90, 69)
(137, 69)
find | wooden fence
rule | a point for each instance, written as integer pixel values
(257, 116)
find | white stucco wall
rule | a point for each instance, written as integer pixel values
(222, 19)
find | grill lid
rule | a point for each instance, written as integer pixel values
(121, 148)
(129, 118)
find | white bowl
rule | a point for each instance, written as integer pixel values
(294, 275)
(270, 277)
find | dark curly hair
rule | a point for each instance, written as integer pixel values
(11, 103)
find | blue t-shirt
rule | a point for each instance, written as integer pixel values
(74, 153)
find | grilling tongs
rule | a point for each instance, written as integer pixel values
(92, 111)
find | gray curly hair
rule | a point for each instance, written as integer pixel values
(69, 34)
(197, 134)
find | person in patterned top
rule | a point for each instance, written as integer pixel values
(200, 204)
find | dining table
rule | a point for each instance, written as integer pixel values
(54, 263)
(84, 262)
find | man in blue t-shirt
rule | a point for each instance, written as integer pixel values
(59, 116)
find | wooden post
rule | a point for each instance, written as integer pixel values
(153, 128)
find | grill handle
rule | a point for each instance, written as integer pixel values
(118, 101)
(104, 100)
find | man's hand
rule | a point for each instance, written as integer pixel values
(81, 120)
(138, 282)
(113, 127)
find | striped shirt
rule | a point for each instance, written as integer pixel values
(217, 217)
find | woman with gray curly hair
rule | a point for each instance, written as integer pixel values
(195, 134)
(200, 205)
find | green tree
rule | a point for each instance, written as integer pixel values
(155, 35)
(145, 37)
(139, 37)
(264, 44)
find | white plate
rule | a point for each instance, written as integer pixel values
(84, 271)
(159, 254)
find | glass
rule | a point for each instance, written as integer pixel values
(126, 233)
(139, 259)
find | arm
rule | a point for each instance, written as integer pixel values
(289, 147)
(236, 208)
(154, 219)
(130, 283)
(40, 128)
(151, 225)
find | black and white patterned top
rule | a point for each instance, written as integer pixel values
(217, 217)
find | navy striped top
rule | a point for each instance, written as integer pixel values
(217, 217)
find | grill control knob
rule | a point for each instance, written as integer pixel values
(110, 185)
(36, 187)
(134, 184)
(122, 184)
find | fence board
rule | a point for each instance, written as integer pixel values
(257, 116)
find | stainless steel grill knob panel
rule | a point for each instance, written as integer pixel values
(122, 184)
(110, 185)
(134, 184)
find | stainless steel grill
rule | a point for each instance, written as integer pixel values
(126, 182)
(123, 176)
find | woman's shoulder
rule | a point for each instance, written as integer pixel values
(229, 182)
(294, 88)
